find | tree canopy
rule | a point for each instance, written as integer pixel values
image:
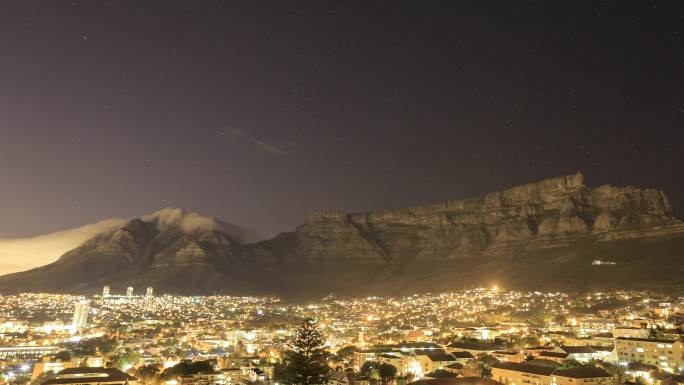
(484, 363)
(187, 367)
(92, 346)
(147, 373)
(346, 353)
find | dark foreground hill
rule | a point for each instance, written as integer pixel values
(554, 234)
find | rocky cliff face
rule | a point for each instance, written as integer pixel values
(552, 213)
(539, 235)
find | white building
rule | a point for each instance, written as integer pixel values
(666, 354)
(81, 310)
(129, 291)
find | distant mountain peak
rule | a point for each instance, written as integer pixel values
(173, 219)
(170, 217)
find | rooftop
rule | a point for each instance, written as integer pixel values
(582, 372)
(87, 374)
(657, 340)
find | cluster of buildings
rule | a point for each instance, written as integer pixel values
(472, 337)
(107, 292)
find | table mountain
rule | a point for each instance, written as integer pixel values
(554, 234)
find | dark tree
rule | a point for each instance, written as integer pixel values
(187, 367)
(367, 367)
(123, 358)
(617, 371)
(386, 372)
(281, 374)
(63, 356)
(92, 346)
(305, 363)
(484, 363)
(147, 373)
(346, 353)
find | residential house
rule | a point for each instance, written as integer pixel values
(435, 361)
(510, 356)
(582, 354)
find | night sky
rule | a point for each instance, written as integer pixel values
(261, 112)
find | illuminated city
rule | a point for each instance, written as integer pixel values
(487, 331)
(341, 192)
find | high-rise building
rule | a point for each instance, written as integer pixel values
(150, 292)
(81, 314)
(129, 291)
(105, 291)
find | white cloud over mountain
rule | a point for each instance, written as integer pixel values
(21, 254)
(26, 253)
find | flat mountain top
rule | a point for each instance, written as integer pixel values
(555, 234)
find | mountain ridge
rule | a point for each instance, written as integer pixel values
(532, 235)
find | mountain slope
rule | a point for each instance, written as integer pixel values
(168, 249)
(553, 234)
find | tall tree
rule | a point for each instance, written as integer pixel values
(305, 363)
